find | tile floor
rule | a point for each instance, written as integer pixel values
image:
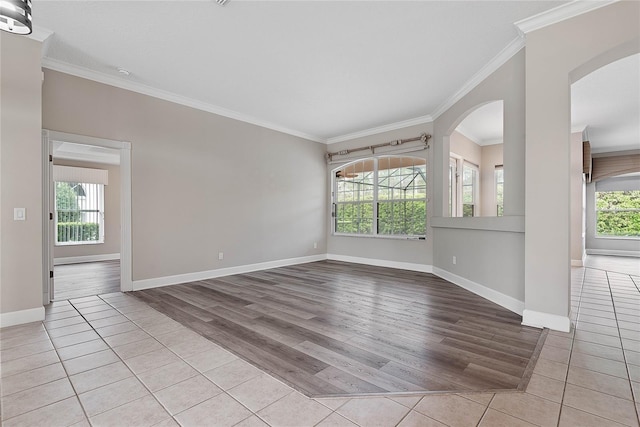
(114, 361)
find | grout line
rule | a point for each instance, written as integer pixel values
(68, 377)
(624, 355)
(573, 338)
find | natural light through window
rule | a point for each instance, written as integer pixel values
(383, 196)
(618, 213)
(79, 213)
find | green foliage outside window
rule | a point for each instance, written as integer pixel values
(70, 224)
(78, 232)
(618, 213)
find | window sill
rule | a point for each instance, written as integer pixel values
(512, 224)
(378, 236)
(618, 238)
(78, 244)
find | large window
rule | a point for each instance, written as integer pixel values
(499, 180)
(384, 196)
(618, 213)
(79, 213)
(469, 190)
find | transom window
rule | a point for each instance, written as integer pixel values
(384, 196)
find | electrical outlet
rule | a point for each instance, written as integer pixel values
(454, 260)
(220, 256)
(315, 245)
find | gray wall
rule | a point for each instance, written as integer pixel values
(20, 174)
(201, 183)
(111, 243)
(489, 251)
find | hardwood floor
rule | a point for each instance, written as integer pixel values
(86, 279)
(332, 328)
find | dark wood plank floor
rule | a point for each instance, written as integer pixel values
(86, 279)
(331, 328)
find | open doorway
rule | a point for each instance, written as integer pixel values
(88, 216)
(86, 220)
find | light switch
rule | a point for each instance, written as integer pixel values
(19, 214)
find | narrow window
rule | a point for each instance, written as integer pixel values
(499, 180)
(469, 190)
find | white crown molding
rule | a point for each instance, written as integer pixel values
(499, 298)
(379, 129)
(85, 73)
(40, 34)
(499, 60)
(461, 129)
(559, 14)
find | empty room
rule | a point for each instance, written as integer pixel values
(320, 213)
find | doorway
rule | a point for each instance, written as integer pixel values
(87, 215)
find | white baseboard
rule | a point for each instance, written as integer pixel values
(539, 319)
(212, 274)
(13, 318)
(613, 252)
(85, 258)
(499, 298)
(424, 268)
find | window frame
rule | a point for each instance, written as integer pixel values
(475, 184)
(495, 188)
(100, 212)
(374, 202)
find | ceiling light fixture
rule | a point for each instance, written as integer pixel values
(15, 16)
(123, 71)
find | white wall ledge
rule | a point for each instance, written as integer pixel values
(511, 224)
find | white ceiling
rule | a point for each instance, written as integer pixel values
(318, 69)
(607, 103)
(484, 125)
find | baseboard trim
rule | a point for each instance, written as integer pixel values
(499, 298)
(20, 317)
(538, 319)
(424, 268)
(613, 252)
(85, 258)
(221, 272)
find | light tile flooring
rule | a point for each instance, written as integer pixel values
(114, 361)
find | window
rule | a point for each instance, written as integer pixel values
(79, 213)
(499, 180)
(618, 213)
(469, 190)
(384, 196)
(453, 187)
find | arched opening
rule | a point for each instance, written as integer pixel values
(475, 163)
(605, 189)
